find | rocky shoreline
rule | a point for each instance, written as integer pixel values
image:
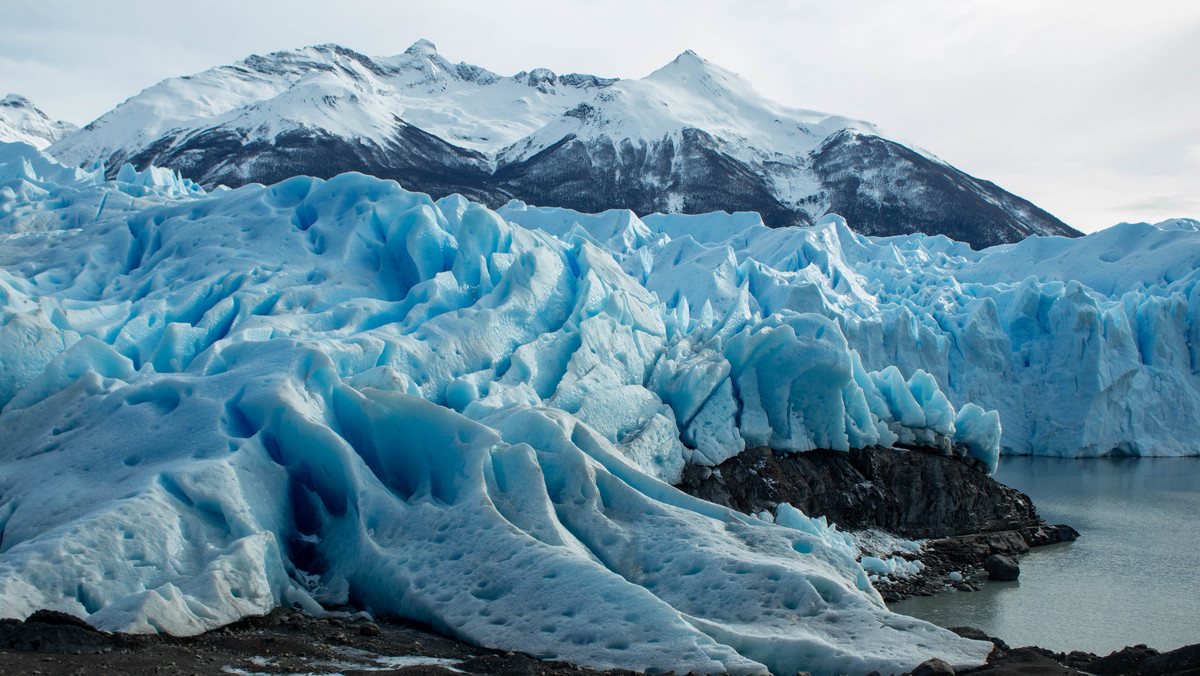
(962, 515)
(1136, 660)
(966, 555)
(289, 641)
(286, 641)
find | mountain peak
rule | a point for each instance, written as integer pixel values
(692, 60)
(16, 101)
(422, 46)
(690, 65)
(694, 73)
(24, 122)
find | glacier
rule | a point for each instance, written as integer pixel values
(1084, 347)
(339, 392)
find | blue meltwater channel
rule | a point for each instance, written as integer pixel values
(1132, 577)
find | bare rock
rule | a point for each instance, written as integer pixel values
(58, 617)
(933, 667)
(1127, 660)
(1182, 661)
(51, 632)
(1001, 568)
(908, 493)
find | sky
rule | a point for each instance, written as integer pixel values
(1089, 109)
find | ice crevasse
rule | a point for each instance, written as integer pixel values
(340, 392)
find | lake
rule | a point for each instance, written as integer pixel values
(1132, 577)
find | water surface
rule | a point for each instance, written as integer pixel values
(1132, 577)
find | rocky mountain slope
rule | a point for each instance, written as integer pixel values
(691, 137)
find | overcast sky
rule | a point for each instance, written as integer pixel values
(1090, 109)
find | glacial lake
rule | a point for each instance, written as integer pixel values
(1132, 577)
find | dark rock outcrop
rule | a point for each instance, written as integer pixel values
(600, 174)
(285, 641)
(1183, 661)
(912, 494)
(1136, 660)
(968, 515)
(1127, 660)
(933, 667)
(884, 188)
(1001, 568)
(644, 176)
(52, 632)
(965, 554)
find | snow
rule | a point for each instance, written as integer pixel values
(329, 88)
(693, 93)
(340, 392)
(353, 660)
(23, 122)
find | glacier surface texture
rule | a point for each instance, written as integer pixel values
(330, 392)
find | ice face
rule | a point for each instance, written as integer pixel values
(341, 392)
(1083, 346)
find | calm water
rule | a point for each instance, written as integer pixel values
(1132, 577)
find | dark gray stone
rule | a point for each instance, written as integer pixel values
(1001, 568)
(51, 631)
(1182, 661)
(933, 667)
(1127, 660)
(369, 629)
(58, 617)
(908, 493)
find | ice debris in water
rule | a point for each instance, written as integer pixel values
(340, 392)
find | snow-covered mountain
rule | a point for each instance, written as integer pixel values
(691, 137)
(23, 122)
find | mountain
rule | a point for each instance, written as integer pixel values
(23, 122)
(417, 118)
(691, 137)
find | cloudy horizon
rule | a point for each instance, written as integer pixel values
(1086, 109)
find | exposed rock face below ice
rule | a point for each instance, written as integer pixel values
(912, 494)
